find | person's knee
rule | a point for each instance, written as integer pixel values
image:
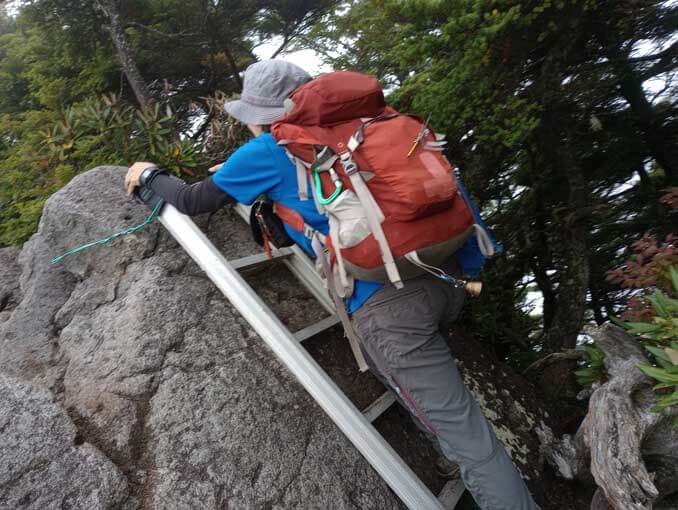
(468, 435)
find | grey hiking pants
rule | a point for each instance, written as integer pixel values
(401, 333)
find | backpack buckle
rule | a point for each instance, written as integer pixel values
(347, 162)
(309, 231)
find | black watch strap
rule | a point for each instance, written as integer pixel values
(148, 174)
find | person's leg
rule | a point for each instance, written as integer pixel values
(400, 332)
(444, 467)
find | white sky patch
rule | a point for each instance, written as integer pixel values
(534, 301)
(646, 47)
(308, 60)
(11, 7)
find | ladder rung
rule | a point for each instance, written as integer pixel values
(259, 259)
(451, 493)
(316, 328)
(300, 265)
(377, 408)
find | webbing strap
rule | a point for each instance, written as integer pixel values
(301, 166)
(302, 181)
(347, 289)
(353, 338)
(370, 207)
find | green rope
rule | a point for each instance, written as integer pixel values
(128, 231)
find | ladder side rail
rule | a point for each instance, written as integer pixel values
(336, 405)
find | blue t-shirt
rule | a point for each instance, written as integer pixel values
(261, 166)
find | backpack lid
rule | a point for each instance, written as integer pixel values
(335, 97)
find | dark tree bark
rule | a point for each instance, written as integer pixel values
(662, 146)
(572, 263)
(549, 296)
(124, 52)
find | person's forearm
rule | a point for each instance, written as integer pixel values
(201, 197)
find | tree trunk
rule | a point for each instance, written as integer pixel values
(633, 451)
(543, 258)
(573, 264)
(123, 51)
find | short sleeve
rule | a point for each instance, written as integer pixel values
(252, 170)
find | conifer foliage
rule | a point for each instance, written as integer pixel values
(562, 117)
(110, 82)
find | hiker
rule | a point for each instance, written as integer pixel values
(401, 330)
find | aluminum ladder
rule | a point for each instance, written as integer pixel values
(356, 425)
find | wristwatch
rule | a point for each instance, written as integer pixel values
(148, 174)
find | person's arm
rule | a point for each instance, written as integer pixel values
(201, 197)
(193, 199)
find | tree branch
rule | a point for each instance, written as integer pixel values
(163, 34)
(568, 354)
(286, 40)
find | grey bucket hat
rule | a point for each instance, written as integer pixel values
(266, 85)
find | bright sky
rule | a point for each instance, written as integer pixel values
(309, 60)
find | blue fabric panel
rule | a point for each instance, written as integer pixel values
(469, 257)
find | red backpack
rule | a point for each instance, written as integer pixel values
(390, 195)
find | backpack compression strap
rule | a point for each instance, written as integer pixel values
(369, 205)
(349, 330)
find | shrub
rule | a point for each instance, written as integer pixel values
(648, 267)
(109, 131)
(37, 160)
(660, 338)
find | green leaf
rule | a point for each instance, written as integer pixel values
(656, 300)
(674, 278)
(666, 401)
(664, 364)
(659, 374)
(594, 353)
(661, 386)
(618, 322)
(658, 353)
(672, 354)
(641, 327)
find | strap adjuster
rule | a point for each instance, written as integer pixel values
(349, 165)
(309, 231)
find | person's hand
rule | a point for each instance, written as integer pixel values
(132, 177)
(216, 167)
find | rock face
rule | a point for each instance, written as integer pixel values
(9, 281)
(129, 382)
(140, 373)
(44, 459)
